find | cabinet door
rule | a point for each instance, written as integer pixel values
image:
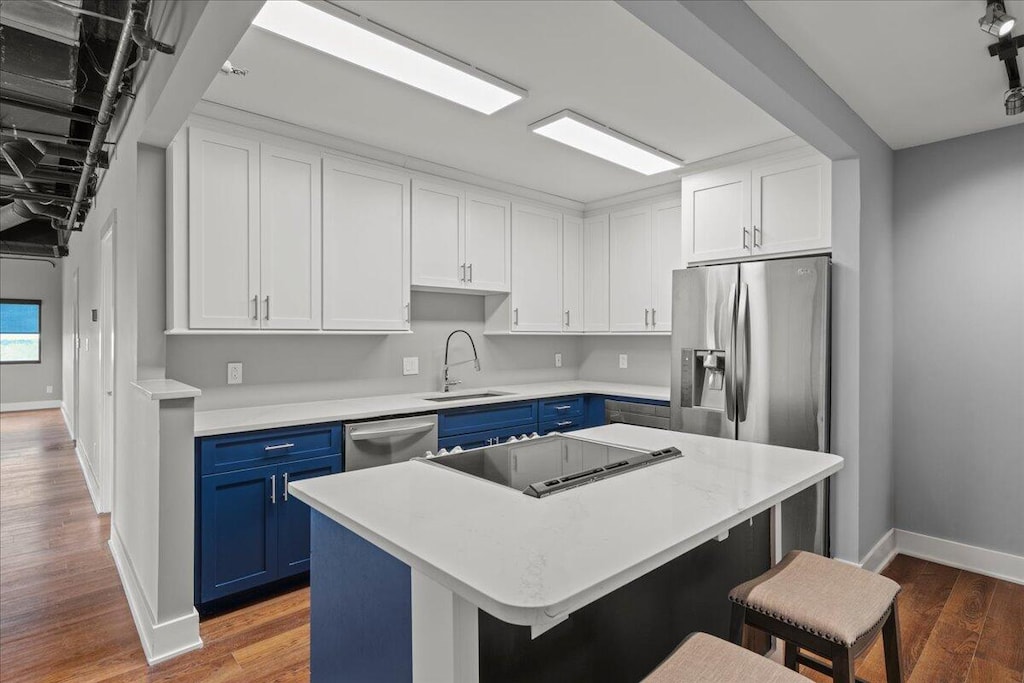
(536, 269)
(238, 528)
(792, 205)
(488, 243)
(224, 231)
(629, 271)
(534, 461)
(716, 215)
(293, 514)
(667, 234)
(438, 226)
(572, 274)
(595, 274)
(290, 239)
(366, 247)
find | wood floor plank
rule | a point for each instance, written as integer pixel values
(1000, 653)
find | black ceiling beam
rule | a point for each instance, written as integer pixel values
(46, 109)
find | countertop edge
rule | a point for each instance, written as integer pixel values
(165, 389)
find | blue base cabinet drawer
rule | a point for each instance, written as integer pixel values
(567, 424)
(230, 452)
(560, 408)
(488, 418)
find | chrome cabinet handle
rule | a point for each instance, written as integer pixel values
(515, 316)
(470, 272)
(256, 307)
(562, 407)
(278, 446)
(567, 318)
(286, 487)
(369, 433)
(745, 233)
(266, 301)
(565, 423)
(408, 313)
(462, 273)
(647, 317)
(758, 240)
(654, 317)
(273, 489)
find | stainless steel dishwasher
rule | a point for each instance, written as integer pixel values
(382, 442)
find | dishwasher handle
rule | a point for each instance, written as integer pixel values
(372, 433)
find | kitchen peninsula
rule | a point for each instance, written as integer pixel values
(422, 573)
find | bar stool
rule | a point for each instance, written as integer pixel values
(706, 659)
(827, 607)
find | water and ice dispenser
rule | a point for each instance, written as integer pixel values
(703, 378)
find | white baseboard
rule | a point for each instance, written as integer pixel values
(28, 405)
(90, 478)
(998, 565)
(67, 420)
(160, 641)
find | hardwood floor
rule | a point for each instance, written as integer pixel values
(64, 617)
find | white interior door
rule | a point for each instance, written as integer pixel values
(290, 262)
(107, 312)
(536, 269)
(488, 243)
(667, 256)
(365, 247)
(595, 273)
(716, 215)
(438, 226)
(224, 231)
(629, 272)
(791, 205)
(572, 273)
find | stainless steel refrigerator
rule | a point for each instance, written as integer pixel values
(750, 361)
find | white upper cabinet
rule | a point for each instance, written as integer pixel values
(791, 205)
(438, 229)
(366, 247)
(629, 272)
(461, 240)
(595, 273)
(536, 298)
(224, 231)
(572, 274)
(758, 209)
(290, 264)
(667, 255)
(488, 243)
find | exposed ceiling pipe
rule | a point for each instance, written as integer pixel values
(134, 29)
(78, 11)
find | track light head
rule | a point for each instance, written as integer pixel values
(1013, 101)
(996, 21)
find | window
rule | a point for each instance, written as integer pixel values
(19, 330)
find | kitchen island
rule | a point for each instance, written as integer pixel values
(426, 574)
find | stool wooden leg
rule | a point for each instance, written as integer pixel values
(739, 618)
(891, 644)
(842, 665)
(792, 650)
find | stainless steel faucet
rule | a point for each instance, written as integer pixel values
(475, 360)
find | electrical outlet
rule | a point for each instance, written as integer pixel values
(623, 361)
(49, 388)
(235, 373)
(558, 360)
(411, 365)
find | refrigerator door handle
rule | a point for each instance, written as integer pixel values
(730, 358)
(742, 353)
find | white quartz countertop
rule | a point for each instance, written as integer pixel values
(227, 421)
(532, 561)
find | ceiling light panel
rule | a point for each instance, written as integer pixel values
(357, 40)
(589, 136)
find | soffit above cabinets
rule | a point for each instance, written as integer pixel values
(594, 58)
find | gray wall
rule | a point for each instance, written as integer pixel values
(959, 385)
(648, 360)
(285, 369)
(34, 280)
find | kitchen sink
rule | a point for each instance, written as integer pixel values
(463, 397)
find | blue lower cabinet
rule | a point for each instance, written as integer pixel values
(293, 514)
(238, 530)
(566, 424)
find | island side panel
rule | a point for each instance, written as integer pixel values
(627, 633)
(360, 608)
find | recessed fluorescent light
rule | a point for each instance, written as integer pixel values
(591, 137)
(358, 40)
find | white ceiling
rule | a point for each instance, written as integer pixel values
(592, 57)
(916, 71)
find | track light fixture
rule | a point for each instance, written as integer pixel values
(996, 21)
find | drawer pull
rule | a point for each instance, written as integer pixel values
(565, 423)
(278, 447)
(286, 487)
(273, 489)
(563, 407)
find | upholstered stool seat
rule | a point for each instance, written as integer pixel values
(828, 607)
(706, 659)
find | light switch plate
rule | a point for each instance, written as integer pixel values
(411, 365)
(49, 388)
(623, 361)
(235, 373)
(558, 360)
